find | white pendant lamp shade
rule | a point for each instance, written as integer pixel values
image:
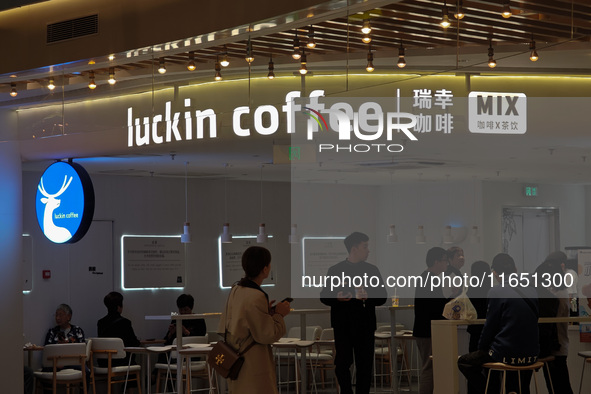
(420, 238)
(262, 236)
(186, 236)
(392, 236)
(474, 236)
(293, 236)
(447, 235)
(226, 236)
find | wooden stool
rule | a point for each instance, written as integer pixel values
(546, 360)
(502, 367)
(586, 359)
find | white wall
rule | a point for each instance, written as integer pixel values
(143, 205)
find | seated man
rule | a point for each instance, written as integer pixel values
(116, 326)
(510, 333)
(191, 327)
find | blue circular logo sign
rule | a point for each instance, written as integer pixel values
(65, 202)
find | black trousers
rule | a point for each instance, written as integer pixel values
(359, 344)
(559, 374)
(470, 365)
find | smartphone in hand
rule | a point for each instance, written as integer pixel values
(288, 299)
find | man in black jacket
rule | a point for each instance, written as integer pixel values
(510, 333)
(352, 313)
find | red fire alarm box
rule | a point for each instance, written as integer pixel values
(46, 274)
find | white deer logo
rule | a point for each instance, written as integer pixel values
(53, 232)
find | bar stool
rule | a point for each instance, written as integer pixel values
(546, 360)
(502, 367)
(586, 359)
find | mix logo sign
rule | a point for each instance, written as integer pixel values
(497, 113)
(65, 202)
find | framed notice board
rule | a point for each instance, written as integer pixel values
(152, 262)
(230, 259)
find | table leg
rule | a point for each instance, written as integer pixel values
(179, 361)
(393, 352)
(444, 339)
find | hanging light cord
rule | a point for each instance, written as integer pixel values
(226, 195)
(186, 195)
(262, 193)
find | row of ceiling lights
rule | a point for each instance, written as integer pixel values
(300, 53)
(459, 12)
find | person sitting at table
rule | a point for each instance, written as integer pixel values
(510, 333)
(191, 327)
(113, 325)
(64, 332)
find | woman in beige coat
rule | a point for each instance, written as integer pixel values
(250, 317)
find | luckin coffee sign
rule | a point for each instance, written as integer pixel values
(65, 202)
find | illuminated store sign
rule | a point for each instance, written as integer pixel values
(369, 122)
(491, 113)
(497, 113)
(65, 202)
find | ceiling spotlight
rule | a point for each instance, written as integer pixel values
(311, 41)
(191, 65)
(459, 14)
(445, 23)
(111, 57)
(401, 61)
(51, 84)
(271, 74)
(506, 13)
(225, 62)
(218, 68)
(161, 66)
(492, 63)
(112, 80)
(296, 55)
(303, 62)
(249, 55)
(13, 91)
(366, 39)
(366, 29)
(370, 66)
(91, 84)
(534, 54)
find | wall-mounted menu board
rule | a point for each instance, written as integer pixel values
(152, 262)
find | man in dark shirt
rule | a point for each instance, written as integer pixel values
(116, 326)
(353, 315)
(429, 304)
(510, 333)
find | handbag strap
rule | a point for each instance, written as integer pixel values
(246, 349)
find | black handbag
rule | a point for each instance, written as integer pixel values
(224, 359)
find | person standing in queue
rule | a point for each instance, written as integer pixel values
(252, 323)
(353, 315)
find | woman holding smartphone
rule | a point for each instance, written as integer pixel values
(251, 324)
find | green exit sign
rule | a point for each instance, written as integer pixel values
(530, 191)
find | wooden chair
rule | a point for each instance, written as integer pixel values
(198, 368)
(322, 357)
(61, 358)
(112, 349)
